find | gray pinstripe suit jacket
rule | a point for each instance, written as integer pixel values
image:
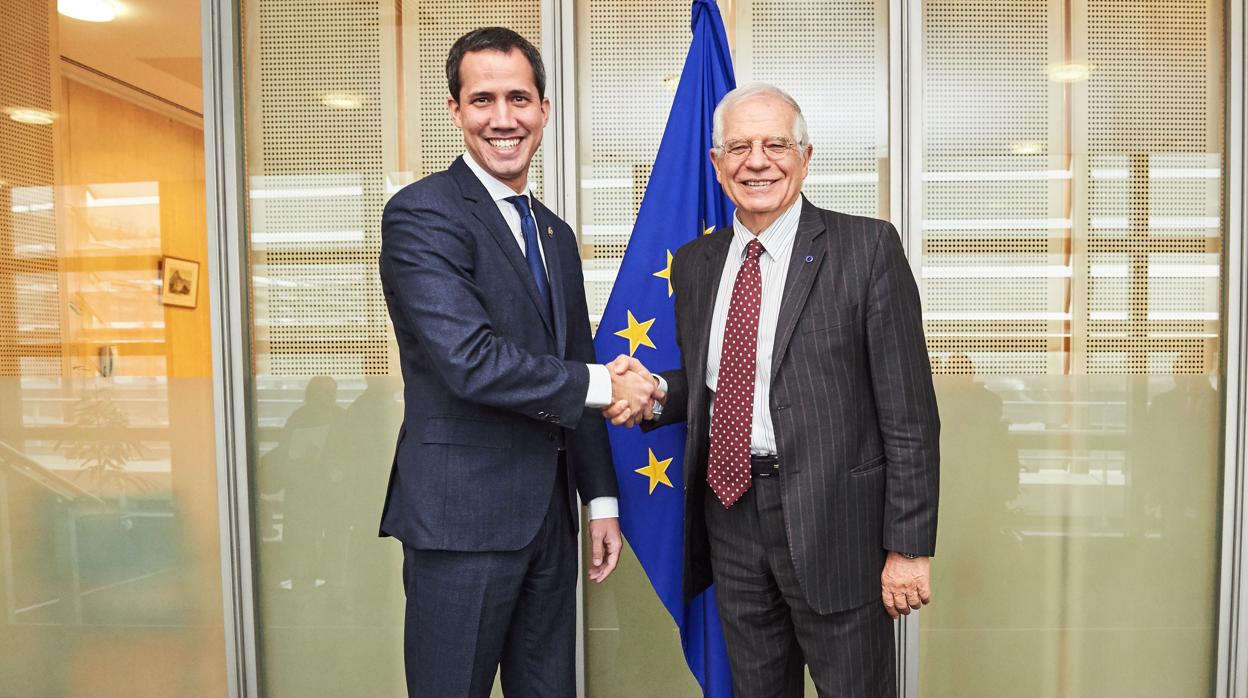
(857, 431)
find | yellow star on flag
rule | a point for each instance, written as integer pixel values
(709, 230)
(637, 333)
(666, 273)
(656, 471)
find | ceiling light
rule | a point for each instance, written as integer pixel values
(1069, 72)
(88, 10)
(1027, 148)
(34, 117)
(341, 100)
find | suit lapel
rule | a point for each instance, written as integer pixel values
(546, 221)
(808, 254)
(485, 210)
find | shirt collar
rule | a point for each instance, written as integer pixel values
(775, 236)
(493, 185)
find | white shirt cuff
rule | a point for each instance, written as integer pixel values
(599, 395)
(604, 508)
(657, 410)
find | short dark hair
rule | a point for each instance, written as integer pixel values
(499, 39)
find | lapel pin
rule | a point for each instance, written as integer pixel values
(550, 232)
(810, 258)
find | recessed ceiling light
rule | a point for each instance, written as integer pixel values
(341, 100)
(26, 115)
(1027, 148)
(88, 10)
(1069, 72)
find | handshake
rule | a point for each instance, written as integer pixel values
(634, 391)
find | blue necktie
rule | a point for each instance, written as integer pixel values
(532, 250)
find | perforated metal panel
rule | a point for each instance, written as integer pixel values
(30, 327)
(338, 119)
(1153, 220)
(993, 269)
(1071, 226)
(430, 27)
(629, 57)
(832, 57)
(317, 187)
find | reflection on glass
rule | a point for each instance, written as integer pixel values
(1078, 524)
(319, 485)
(1071, 228)
(110, 564)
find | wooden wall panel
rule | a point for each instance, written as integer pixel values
(119, 151)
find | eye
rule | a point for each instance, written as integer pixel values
(737, 149)
(777, 147)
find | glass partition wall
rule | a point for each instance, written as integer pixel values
(1068, 230)
(110, 567)
(344, 103)
(1063, 191)
(1063, 184)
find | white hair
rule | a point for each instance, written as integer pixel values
(758, 89)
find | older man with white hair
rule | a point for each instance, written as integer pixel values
(812, 462)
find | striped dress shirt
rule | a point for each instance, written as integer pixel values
(777, 240)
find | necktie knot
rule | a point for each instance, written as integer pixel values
(754, 250)
(521, 203)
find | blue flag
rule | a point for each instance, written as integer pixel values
(682, 201)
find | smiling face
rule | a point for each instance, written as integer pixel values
(762, 188)
(500, 113)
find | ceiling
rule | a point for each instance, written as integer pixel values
(152, 44)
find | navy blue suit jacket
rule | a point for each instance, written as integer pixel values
(494, 382)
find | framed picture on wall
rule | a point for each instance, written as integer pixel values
(179, 282)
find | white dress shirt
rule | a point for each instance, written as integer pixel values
(599, 394)
(777, 240)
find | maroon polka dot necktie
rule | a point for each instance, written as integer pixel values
(732, 423)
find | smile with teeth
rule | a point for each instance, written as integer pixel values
(757, 183)
(504, 143)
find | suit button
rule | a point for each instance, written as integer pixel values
(550, 436)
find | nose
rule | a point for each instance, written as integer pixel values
(757, 159)
(503, 116)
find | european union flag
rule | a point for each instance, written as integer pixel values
(682, 201)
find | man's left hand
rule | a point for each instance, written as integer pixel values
(605, 544)
(905, 584)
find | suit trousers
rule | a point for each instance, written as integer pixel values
(769, 628)
(469, 612)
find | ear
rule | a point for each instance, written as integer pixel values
(545, 111)
(719, 175)
(452, 106)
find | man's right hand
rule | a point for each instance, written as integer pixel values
(633, 392)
